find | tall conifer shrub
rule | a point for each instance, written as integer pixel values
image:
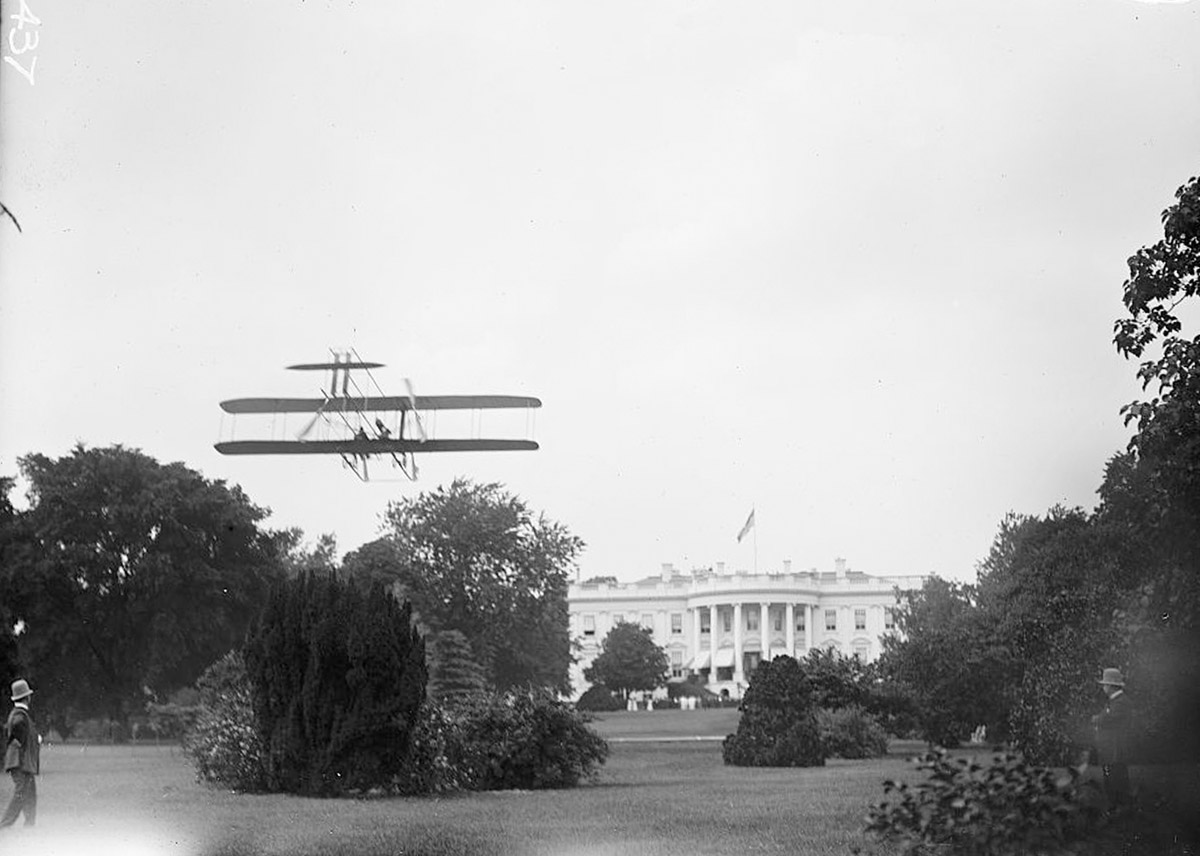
(337, 677)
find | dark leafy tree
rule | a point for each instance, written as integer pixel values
(629, 661)
(952, 665)
(778, 725)
(1164, 279)
(1153, 492)
(1048, 591)
(337, 676)
(129, 578)
(9, 657)
(473, 558)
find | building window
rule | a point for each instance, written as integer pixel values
(676, 664)
(779, 622)
(751, 620)
(860, 619)
(676, 623)
(618, 618)
(862, 650)
(831, 619)
(727, 621)
(589, 625)
(705, 622)
(800, 613)
(889, 618)
(648, 620)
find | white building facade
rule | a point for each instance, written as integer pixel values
(717, 626)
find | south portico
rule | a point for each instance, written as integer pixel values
(731, 636)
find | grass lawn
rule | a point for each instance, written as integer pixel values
(651, 798)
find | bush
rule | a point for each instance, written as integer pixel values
(222, 742)
(528, 739)
(337, 678)
(1004, 808)
(435, 762)
(778, 727)
(599, 698)
(850, 732)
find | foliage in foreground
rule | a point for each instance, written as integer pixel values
(1008, 807)
(337, 676)
(778, 726)
(222, 741)
(519, 739)
(1004, 807)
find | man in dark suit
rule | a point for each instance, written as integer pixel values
(1112, 737)
(21, 757)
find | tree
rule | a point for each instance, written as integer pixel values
(951, 663)
(473, 558)
(629, 661)
(129, 577)
(1166, 444)
(9, 657)
(337, 676)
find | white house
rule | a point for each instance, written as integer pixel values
(718, 625)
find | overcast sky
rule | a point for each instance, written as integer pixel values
(853, 265)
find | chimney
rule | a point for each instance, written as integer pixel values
(787, 566)
(668, 570)
(720, 569)
(839, 565)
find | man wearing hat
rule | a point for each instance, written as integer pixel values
(21, 757)
(1112, 736)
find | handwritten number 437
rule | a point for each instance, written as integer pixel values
(29, 41)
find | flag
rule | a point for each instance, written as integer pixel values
(749, 524)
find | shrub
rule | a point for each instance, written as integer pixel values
(436, 762)
(528, 739)
(850, 732)
(778, 727)
(337, 678)
(1005, 807)
(599, 698)
(222, 742)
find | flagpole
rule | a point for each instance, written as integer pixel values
(756, 546)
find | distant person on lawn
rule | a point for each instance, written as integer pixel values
(21, 757)
(1112, 737)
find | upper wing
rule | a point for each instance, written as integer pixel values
(368, 447)
(374, 403)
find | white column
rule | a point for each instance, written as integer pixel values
(738, 674)
(764, 615)
(712, 643)
(808, 627)
(790, 618)
(696, 631)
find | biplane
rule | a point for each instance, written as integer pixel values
(359, 422)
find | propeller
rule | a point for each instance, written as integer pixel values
(412, 405)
